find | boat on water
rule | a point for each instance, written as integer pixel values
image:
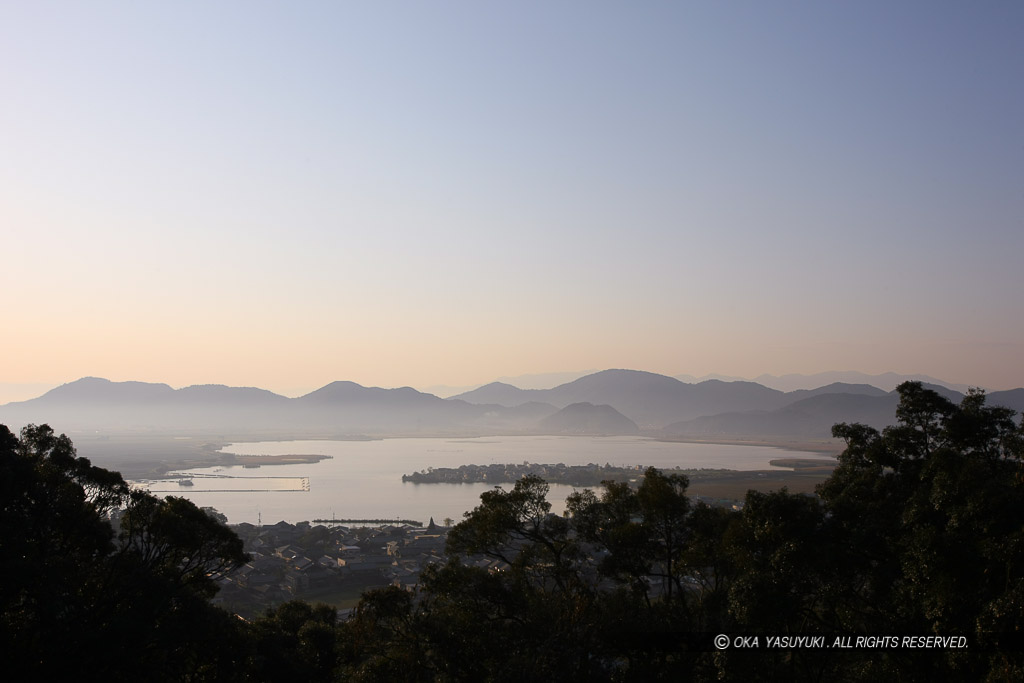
(185, 482)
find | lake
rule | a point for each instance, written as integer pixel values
(363, 479)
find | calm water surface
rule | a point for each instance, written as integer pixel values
(363, 479)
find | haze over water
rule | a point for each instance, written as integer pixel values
(363, 479)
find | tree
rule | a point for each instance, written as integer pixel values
(174, 538)
(929, 513)
(664, 507)
(78, 598)
(539, 618)
(709, 565)
(779, 550)
(296, 641)
(612, 525)
(644, 531)
(517, 528)
(385, 641)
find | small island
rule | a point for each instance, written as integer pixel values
(252, 461)
(572, 475)
(799, 475)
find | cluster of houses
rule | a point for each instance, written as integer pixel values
(333, 564)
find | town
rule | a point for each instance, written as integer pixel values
(332, 564)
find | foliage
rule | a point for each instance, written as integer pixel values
(931, 511)
(296, 641)
(78, 597)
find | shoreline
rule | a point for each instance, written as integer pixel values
(288, 459)
(151, 456)
(807, 446)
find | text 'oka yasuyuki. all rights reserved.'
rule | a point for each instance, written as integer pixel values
(842, 642)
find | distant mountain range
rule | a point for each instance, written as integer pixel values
(649, 399)
(338, 409)
(886, 381)
(532, 381)
(606, 402)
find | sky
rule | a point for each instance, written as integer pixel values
(287, 194)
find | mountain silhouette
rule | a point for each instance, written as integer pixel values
(648, 402)
(588, 419)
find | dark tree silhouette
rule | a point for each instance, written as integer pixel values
(76, 597)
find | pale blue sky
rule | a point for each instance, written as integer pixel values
(285, 194)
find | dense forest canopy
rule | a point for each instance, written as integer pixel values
(918, 532)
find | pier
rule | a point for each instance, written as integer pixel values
(230, 484)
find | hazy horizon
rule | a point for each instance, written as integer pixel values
(14, 392)
(255, 194)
